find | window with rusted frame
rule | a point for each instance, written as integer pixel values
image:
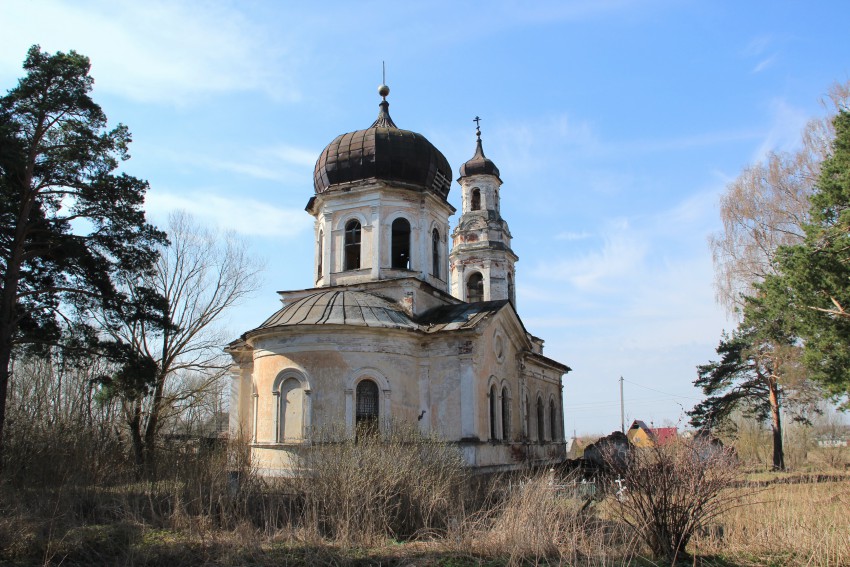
(352, 245)
(366, 407)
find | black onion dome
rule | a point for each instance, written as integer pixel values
(383, 152)
(479, 164)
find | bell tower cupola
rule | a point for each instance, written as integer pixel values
(481, 261)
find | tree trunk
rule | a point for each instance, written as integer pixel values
(5, 375)
(153, 425)
(776, 425)
(7, 325)
(135, 423)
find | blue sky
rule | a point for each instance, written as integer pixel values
(615, 125)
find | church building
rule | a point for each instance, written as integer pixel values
(397, 328)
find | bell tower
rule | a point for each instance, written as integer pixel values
(481, 260)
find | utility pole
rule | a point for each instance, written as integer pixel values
(622, 409)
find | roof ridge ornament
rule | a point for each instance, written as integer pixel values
(384, 120)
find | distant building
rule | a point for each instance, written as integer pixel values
(641, 435)
(831, 441)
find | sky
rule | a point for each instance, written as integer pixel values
(615, 124)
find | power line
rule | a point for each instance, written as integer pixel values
(660, 392)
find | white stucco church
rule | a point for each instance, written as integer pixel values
(397, 328)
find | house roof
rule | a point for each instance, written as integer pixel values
(664, 434)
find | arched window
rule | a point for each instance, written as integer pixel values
(527, 407)
(435, 253)
(476, 199)
(541, 421)
(366, 413)
(352, 246)
(553, 421)
(319, 249)
(494, 405)
(506, 417)
(511, 297)
(475, 288)
(401, 244)
(290, 411)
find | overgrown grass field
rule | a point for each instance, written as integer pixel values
(423, 509)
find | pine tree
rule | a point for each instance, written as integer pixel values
(814, 278)
(70, 226)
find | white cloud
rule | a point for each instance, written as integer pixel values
(572, 236)
(244, 216)
(153, 51)
(622, 252)
(293, 155)
(286, 164)
(784, 133)
(764, 64)
(757, 46)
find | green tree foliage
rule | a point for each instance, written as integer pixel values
(814, 278)
(758, 373)
(70, 226)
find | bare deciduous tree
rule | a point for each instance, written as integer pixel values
(201, 274)
(765, 207)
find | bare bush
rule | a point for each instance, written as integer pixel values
(57, 432)
(399, 484)
(673, 490)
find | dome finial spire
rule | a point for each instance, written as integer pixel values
(479, 164)
(384, 120)
(383, 89)
(479, 149)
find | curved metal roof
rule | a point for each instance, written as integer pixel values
(341, 307)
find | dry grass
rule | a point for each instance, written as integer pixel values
(537, 523)
(69, 496)
(787, 524)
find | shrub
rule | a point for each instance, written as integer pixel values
(399, 485)
(673, 490)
